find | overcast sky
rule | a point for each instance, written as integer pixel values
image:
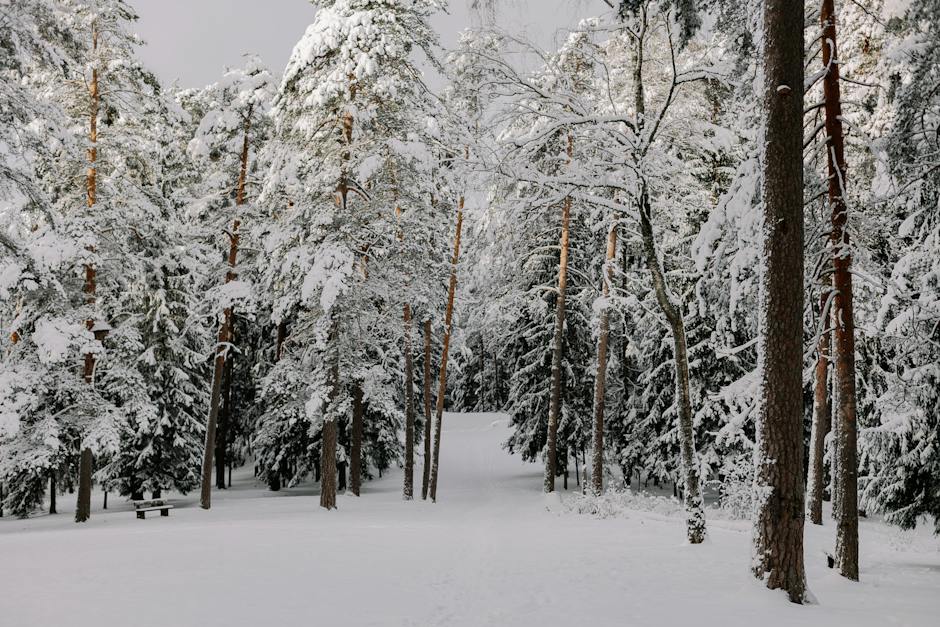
(193, 40)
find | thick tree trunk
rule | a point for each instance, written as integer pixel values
(817, 445)
(843, 327)
(281, 337)
(408, 487)
(328, 465)
(442, 374)
(600, 380)
(86, 466)
(52, 494)
(778, 525)
(355, 452)
(554, 409)
(695, 510)
(425, 481)
(83, 509)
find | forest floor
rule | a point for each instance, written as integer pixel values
(492, 551)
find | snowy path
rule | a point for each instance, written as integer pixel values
(489, 553)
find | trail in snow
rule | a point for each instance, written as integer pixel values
(488, 553)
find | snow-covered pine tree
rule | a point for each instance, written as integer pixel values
(233, 126)
(351, 91)
(900, 452)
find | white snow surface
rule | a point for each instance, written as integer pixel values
(492, 551)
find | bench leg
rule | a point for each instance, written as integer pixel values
(164, 512)
(141, 515)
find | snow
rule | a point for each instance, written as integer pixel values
(54, 338)
(490, 552)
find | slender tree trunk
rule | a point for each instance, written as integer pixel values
(442, 375)
(554, 410)
(408, 488)
(355, 453)
(274, 474)
(778, 525)
(600, 381)
(225, 332)
(225, 419)
(105, 504)
(329, 434)
(695, 510)
(52, 494)
(817, 445)
(843, 327)
(427, 411)
(482, 373)
(86, 465)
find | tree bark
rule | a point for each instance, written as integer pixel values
(86, 465)
(225, 419)
(425, 481)
(281, 337)
(843, 327)
(408, 487)
(355, 452)
(821, 423)
(778, 525)
(52, 494)
(83, 509)
(600, 380)
(554, 409)
(328, 465)
(695, 510)
(329, 435)
(225, 332)
(442, 374)
(482, 373)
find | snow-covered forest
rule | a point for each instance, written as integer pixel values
(656, 308)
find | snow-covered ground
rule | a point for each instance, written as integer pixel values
(490, 552)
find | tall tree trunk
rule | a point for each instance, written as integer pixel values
(86, 465)
(225, 419)
(554, 409)
(355, 451)
(425, 481)
(408, 487)
(817, 444)
(692, 494)
(52, 493)
(482, 373)
(442, 374)
(778, 525)
(329, 435)
(843, 327)
(600, 380)
(225, 332)
(328, 465)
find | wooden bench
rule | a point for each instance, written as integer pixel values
(142, 507)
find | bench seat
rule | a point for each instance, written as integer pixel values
(164, 510)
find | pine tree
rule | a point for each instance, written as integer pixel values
(778, 523)
(341, 111)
